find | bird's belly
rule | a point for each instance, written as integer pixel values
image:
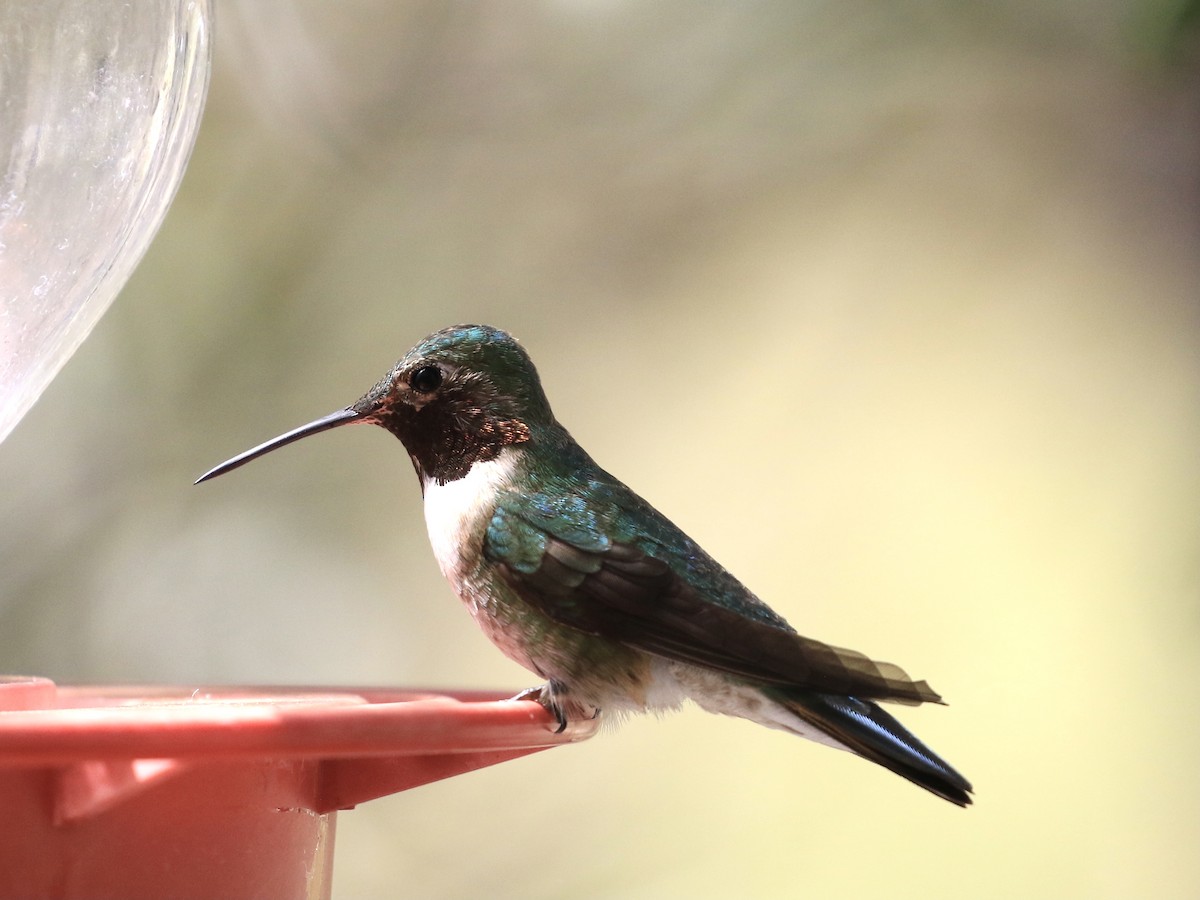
(516, 634)
(592, 668)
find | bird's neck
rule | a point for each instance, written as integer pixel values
(445, 448)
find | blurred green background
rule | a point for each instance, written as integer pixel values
(892, 306)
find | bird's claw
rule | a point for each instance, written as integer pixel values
(552, 698)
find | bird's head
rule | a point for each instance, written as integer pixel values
(458, 397)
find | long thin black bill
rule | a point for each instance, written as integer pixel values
(333, 420)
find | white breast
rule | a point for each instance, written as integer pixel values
(454, 511)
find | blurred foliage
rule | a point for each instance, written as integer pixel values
(891, 305)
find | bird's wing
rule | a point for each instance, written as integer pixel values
(563, 563)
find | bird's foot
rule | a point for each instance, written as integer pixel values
(554, 698)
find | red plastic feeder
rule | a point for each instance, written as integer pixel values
(155, 792)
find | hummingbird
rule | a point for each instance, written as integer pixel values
(577, 578)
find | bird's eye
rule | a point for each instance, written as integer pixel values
(426, 379)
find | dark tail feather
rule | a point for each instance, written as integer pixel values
(873, 734)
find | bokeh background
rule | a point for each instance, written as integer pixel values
(892, 306)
